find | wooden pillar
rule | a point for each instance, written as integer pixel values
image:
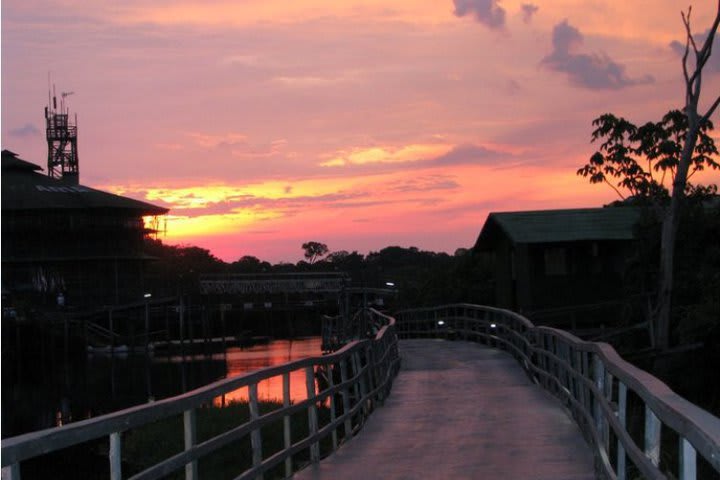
(190, 437)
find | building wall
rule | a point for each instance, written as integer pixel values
(562, 275)
(92, 257)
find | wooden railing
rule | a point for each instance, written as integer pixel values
(636, 426)
(357, 378)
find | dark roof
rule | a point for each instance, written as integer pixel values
(546, 226)
(11, 162)
(25, 189)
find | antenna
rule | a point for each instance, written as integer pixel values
(61, 135)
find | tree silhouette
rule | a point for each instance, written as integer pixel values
(314, 250)
(645, 160)
(678, 145)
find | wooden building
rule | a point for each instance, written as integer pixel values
(559, 260)
(65, 242)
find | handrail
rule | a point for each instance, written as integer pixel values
(599, 388)
(366, 371)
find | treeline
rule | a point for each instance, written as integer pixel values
(420, 277)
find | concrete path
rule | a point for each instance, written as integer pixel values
(460, 410)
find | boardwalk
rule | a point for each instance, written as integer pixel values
(461, 410)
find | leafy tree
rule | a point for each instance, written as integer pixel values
(645, 160)
(250, 264)
(678, 146)
(314, 250)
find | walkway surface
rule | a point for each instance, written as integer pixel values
(461, 410)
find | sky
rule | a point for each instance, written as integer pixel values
(264, 124)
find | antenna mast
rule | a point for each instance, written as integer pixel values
(61, 136)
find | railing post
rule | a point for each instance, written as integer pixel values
(115, 455)
(362, 380)
(11, 472)
(190, 431)
(599, 379)
(312, 413)
(652, 436)
(331, 384)
(255, 435)
(586, 374)
(287, 434)
(608, 396)
(345, 398)
(622, 418)
(688, 461)
(371, 371)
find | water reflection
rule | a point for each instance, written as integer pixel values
(261, 356)
(56, 393)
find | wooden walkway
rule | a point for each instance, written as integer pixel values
(462, 410)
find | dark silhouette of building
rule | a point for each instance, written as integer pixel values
(65, 243)
(559, 261)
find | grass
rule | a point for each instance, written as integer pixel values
(153, 443)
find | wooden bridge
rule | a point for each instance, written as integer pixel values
(483, 393)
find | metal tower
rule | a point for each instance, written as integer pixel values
(61, 136)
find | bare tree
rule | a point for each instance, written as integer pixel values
(693, 87)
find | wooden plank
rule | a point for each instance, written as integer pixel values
(115, 455)
(190, 437)
(485, 394)
(287, 433)
(312, 413)
(652, 436)
(688, 461)
(11, 472)
(255, 434)
(621, 470)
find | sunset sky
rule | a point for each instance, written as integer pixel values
(263, 124)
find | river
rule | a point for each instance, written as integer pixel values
(50, 394)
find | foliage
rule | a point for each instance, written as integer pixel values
(314, 250)
(250, 264)
(644, 160)
(176, 267)
(421, 277)
(158, 441)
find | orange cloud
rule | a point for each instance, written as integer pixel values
(387, 154)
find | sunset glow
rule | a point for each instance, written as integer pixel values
(264, 124)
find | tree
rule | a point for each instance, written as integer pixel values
(677, 145)
(658, 146)
(314, 250)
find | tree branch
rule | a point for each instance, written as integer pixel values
(706, 50)
(710, 111)
(614, 188)
(688, 83)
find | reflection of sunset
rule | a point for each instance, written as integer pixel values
(241, 361)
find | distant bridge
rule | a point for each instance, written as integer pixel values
(458, 409)
(321, 282)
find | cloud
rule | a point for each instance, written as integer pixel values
(487, 12)
(424, 184)
(592, 71)
(528, 10)
(213, 141)
(713, 63)
(469, 155)
(415, 156)
(412, 153)
(27, 130)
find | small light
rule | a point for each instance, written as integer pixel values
(147, 295)
(492, 325)
(441, 322)
(389, 284)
